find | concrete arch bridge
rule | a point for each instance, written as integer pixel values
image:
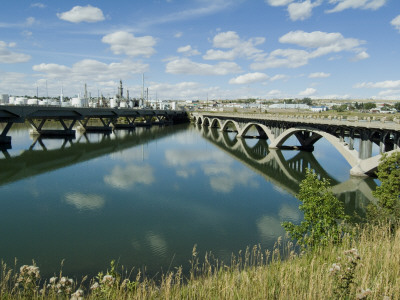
(287, 173)
(352, 138)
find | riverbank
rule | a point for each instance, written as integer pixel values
(368, 267)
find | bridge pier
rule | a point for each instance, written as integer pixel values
(5, 140)
(130, 124)
(365, 147)
(37, 129)
(84, 127)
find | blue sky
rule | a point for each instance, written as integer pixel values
(220, 49)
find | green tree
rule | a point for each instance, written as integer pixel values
(307, 101)
(369, 105)
(340, 108)
(322, 213)
(397, 106)
(387, 207)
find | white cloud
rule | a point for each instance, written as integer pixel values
(30, 21)
(319, 75)
(9, 57)
(89, 70)
(278, 77)
(249, 78)
(229, 39)
(362, 4)
(288, 58)
(239, 48)
(301, 10)
(360, 56)
(186, 66)
(123, 42)
(38, 5)
(313, 39)
(209, 8)
(219, 55)
(324, 42)
(178, 35)
(15, 83)
(188, 50)
(79, 14)
(181, 90)
(308, 92)
(391, 93)
(388, 84)
(274, 92)
(396, 23)
(278, 2)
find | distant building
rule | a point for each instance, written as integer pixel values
(289, 106)
(4, 99)
(319, 108)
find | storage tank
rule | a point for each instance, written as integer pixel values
(20, 101)
(32, 101)
(113, 103)
(4, 99)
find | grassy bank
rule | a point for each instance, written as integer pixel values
(371, 270)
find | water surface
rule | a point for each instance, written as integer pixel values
(146, 197)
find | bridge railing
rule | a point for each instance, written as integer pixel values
(366, 121)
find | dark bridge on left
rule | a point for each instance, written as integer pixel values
(106, 119)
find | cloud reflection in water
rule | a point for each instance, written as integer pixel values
(85, 201)
(129, 176)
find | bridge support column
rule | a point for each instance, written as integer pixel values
(37, 129)
(351, 140)
(381, 146)
(5, 141)
(88, 128)
(130, 124)
(365, 146)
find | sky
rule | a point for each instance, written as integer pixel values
(202, 49)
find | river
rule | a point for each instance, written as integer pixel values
(146, 197)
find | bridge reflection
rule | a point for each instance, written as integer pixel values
(38, 159)
(287, 173)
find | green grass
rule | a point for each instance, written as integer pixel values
(253, 274)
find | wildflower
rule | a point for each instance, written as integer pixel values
(335, 268)
(78, 295)
(53, 280)
(363, 294)
(108, 280)
(95, 286)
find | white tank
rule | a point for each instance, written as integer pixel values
(32, 101)
(113, 103)
(123, 104)
(76, 102)
(11, 100)
(4, 99)
(44, 102)
(20, 101)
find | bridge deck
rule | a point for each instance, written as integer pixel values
(340, 132)
(109, 117)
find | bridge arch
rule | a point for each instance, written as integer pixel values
(263, 130)
(206, 121)
(226, 124)
(215, 122)
(351, 156)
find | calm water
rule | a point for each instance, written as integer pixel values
(146, 197)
